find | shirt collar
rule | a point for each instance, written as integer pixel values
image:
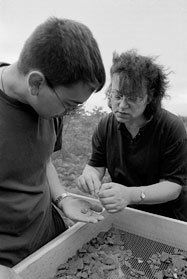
(122, 125)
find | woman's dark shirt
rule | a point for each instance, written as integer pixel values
(158, 152)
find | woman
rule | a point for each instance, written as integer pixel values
(143, 146)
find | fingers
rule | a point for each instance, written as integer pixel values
(113, 211)
(105, 190)
(91, 217)
(106, 196)
(112, 204)
(97, 208)
(109, 204)
(106, 193)
(108, 201)
(88, 184)
(83, 183)
(95, 186)
(95, 218)
(106, 186)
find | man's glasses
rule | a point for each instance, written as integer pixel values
(69, 109)
(129, 99)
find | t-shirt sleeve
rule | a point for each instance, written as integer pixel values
(174, 156)
(98, 156)
(58, 123)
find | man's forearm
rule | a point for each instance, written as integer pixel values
(56, 187)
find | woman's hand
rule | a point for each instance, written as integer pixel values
(81, 210)
(89, 183)
(114, 197)
(90, 180)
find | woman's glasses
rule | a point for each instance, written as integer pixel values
(129, 99)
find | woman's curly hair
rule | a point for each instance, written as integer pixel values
(139, 70)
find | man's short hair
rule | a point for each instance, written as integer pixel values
(139, 71)
(65, 51)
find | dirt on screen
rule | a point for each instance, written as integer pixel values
(117, 254)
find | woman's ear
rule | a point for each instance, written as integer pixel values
(149, 97)
(35, 81)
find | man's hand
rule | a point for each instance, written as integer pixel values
(81, 210)
(8, 273)
(114, 197)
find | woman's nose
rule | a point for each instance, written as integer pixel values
(123, 102)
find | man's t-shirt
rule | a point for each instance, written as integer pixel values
(159, 151)
(27, 218)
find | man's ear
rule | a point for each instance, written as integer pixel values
(35, 81)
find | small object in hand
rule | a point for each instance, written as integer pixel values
(86, 210)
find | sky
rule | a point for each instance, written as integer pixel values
(152, 27)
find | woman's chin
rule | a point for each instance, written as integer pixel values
(122, 117)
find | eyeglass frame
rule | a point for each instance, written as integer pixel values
(68, 110)
(128, 99)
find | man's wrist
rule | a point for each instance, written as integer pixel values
(60, 198)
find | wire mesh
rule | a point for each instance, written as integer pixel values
(117, 254)
(142, 250)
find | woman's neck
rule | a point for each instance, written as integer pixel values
(134, 126)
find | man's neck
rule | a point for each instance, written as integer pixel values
(11, 82)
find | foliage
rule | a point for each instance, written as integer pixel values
(76, 145)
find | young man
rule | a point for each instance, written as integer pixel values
(143, 146)
(59, 67)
